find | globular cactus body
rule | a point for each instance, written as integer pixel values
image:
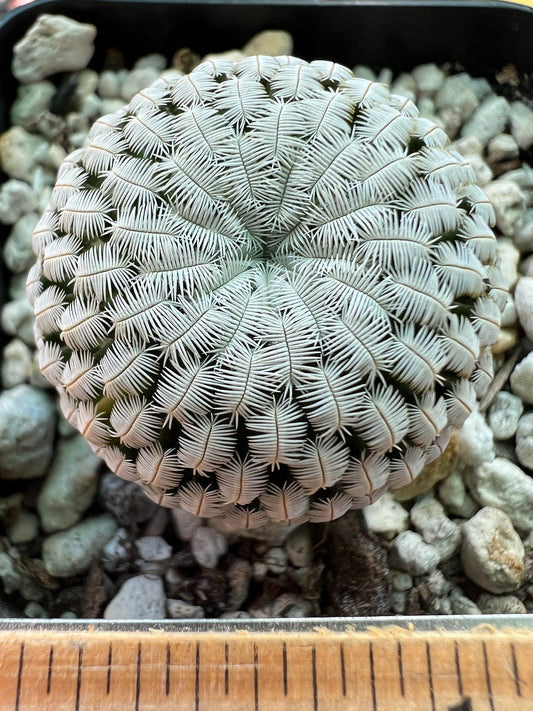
(266, 290)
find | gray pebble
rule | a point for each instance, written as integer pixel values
(54, 43)
(125, 500)
(140, 598)
(27, 424)
(489, 119)
(155, 61)
(523, 237)
(180, 610)
(14, 578)
(238, 575)
(32, 100)
(24, 529)
(430, 520)
(184, 523)
(299, 547)
(289, 605)
(208, 546)
(153, 548)
(364, 72)
(16, 363)
(509, 204)
(35, 611)
(461, 604)
(137, 80)
(500, 605)
(71, 485)
(504, 414)
(521, 117)
(401, 581)
(109, 84)
(118, 551)
(492, 552)
(386, 517)
(453, 494)
(523, 299)
(524, 445)
(411, 553)
(482, 171)
(398, 602)
(504, 485)
(70, 552)
(17, 320)
(237, 615)
(509, 257)
(18, 250)
(428, 77)
(509, 316)
(522, 379)
(16, 199)
(276, 560)
(523, 177)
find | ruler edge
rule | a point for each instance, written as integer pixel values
(434, 624)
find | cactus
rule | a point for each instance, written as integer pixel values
(266, 290)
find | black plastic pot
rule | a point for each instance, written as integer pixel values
(482, 36)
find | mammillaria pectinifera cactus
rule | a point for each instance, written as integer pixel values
(266, 290)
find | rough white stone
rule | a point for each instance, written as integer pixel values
(17, 320)
(70, 552)
(184, 523)
(153, 548)
(505, 486)
(489, 119)
(509, 204)
(521, 117)
(524, 443)
(16, 363)
(523, 299)
(136, 80)
(208, 546)
(500, 605)
(71, 485)
(155, 61)
(386, 517)
(24, 529)
(140, 598)
(482, 170)
(401, 581)
(54, 43)
(523, 236)
(32, 100)
(20, 152)
(453, 494)
(492, 552)
(504, 414)
(456, 94)
(16, 199)
(27, 424)
(522, 379)
(299, 547)
(118, 551)
(428, 77)
(411, 553)
(475, 440)
(502, 147)
(180, 610)
(276, 560)
(109, 84)
(430, 520)
(462, 605)
(18, 250)
(509, 316)
(273, 43)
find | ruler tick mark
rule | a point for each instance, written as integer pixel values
(487, 677)
(50, 666)
(458, 670)
(197, 679)
(226, 668)
(315, 689)
(430, 677)
(167, 673)
(343, 669)
(78, 679)
(400, 668)
(138, 678)
(285, 678)
(19, 676)
(109, 662)
(372, 677)
(256, 679)
(515, 671)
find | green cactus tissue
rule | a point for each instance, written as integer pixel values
(266, 290)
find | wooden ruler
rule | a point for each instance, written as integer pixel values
(319, 665)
